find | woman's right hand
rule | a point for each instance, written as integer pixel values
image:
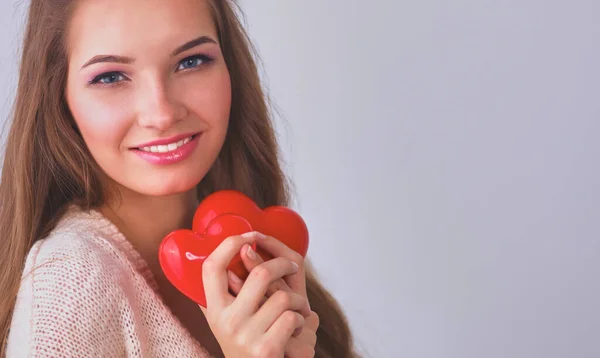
(251, 325)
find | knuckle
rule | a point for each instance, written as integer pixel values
(242, 340)
(232, 242)
(316, 318)
(229, 325)
(262, 273)
(282, 298)
(292, 318)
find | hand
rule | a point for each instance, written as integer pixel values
(303, 341)
(247, 325)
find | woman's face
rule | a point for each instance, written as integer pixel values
(149, 90)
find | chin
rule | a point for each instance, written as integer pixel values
(163, 186)
(166, 182)
(167, 189)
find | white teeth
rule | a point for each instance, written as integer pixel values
(166, 148)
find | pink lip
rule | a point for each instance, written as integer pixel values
(174, 139)
(171, 157)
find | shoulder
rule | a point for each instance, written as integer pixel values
(78, 249)
(74, 286)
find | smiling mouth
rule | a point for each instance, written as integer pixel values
(166, 148)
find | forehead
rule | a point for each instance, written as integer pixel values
(135, 27)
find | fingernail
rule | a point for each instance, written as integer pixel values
(233, 277)
(251, 254)
(260, 235)
(296, 268)
(253, 234)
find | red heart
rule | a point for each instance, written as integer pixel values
(220, 215)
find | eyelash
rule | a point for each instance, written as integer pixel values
(96, 81)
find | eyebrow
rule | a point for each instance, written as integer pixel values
(128, 60)
(108, 58)
(191, 44)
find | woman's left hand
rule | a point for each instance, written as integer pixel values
(302, 343)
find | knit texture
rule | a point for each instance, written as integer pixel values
(86, 292)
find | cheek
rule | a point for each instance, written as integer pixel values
(210, 100)
(102, 123)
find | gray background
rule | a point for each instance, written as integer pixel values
(445, 157)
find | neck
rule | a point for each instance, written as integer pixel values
(146, 220)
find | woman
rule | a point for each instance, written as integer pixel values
(127, 114)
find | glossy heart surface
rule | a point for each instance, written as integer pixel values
(220, 215)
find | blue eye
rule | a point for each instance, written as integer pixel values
(193, 62)
(108, 78)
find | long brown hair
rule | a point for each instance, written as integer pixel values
(47, 165)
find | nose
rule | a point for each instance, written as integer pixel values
(158, 110)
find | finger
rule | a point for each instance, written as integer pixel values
(308, 333)
(307, 337)
(273, 308)
(235, 283)
(214, 269)
(299, 348)
(277, 248)
(251, 259)
(282, 329)
(259, 280)
(312, 322)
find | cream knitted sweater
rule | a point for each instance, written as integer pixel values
(87, 293)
